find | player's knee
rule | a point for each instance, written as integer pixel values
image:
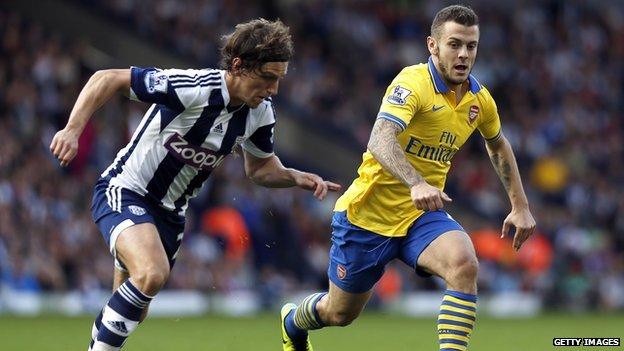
(465, 268)
(150, 279)
(342, 319)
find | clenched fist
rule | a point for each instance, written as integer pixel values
(64, 146)
(427, 197)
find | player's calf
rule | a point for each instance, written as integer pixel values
(458, 313)
(120, 317)
(97, 324)
(339, 318)
(306, 316)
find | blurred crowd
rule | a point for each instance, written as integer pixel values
(555, 69)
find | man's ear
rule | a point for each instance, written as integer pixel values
(237, 65)
(432, 45)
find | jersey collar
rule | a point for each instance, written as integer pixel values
(441, 87)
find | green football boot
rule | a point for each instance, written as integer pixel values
(289, 344)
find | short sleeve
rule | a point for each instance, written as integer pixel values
(401, 101)
(260, 143)
(490, 125)
(175, 88)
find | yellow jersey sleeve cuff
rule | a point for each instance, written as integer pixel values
(494, 138)
(392, 118)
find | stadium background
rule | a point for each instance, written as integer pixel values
(555, 68)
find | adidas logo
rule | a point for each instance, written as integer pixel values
(218, 129)
(119, 326)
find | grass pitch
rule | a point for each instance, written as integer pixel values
(371, 332)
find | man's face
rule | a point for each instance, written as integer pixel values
(456, 50)
(255, 86)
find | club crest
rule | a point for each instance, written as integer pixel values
(341, 272)
(473, 113)
(136, 210)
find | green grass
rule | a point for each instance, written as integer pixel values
(370, 332)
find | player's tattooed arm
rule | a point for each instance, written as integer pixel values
(384, 146)
(520, 217)
(504, 162)
(503, 169)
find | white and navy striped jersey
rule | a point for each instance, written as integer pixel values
(186, 133)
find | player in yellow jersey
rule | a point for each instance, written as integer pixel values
(394, 208)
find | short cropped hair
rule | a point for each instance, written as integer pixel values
(257, 42)
(461, 14)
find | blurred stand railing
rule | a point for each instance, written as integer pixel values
(245, 303)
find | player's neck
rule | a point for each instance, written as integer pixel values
(232, 88)
(459, 90)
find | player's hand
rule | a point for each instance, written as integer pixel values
(428, 198)
(64, 146)
(313, 182)
(523, 221)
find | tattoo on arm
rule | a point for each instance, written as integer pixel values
(504, 163)
(503, 169)
(385, 148)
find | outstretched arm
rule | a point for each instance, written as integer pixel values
(269, 172)
(384, 146)
(504, 163)
(99, 89)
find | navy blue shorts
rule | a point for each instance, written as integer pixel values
(358, 257)
(115, 209)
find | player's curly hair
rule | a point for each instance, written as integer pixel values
(461, 14)
(257, 42)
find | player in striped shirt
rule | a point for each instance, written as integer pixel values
(196, 119)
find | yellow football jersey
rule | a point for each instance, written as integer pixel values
(434, 128)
